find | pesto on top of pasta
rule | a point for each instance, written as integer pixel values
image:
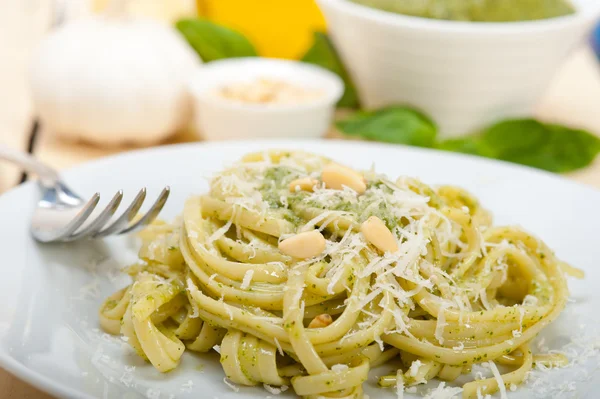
(307, 273)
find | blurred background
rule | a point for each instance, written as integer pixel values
(570, 95)
(278, 29)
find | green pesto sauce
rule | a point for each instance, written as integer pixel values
(476, 10)
(277, 176)
(275, 192)
(362, 207)
(111, 304)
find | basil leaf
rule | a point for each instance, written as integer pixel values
(561, 150)
(532, 143)
(323, 54)
(516, 136)
(472, 145)
(214, 42)
(400, 125)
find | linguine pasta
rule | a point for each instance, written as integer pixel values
(308, 276)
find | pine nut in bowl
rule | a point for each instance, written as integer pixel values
(263, 98)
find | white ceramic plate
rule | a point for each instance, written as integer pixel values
(50, 294)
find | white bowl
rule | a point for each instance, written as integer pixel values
(464, 74)
(218, 118)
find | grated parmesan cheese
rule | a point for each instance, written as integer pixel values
(521, 316)
(399, 384)
(530, 300)
(441, 324)
(480, 396)
(219, 232)
(379, 341)
(443, 392)
(126, 379)
(275, 390)
(90, 290)
(247, 279)
(187, 386)
(516, 333)
(414, 368)
(541, 345)
(484, 299)
(499, 379)
(231, 384)
(228, 311)
(459, 347)
(152, 393)
(278, 346)
(241, 190)
(339, 368)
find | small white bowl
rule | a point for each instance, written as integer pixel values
(464, 74)
(218, 118)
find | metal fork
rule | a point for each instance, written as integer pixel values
(61, 215)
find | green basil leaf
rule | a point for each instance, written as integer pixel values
(544, 146)
(214, 42)
(472, 145)
(563, 150)
(323, 54)
(400, 125)
(514, 137)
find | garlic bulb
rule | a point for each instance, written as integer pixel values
(111, 81)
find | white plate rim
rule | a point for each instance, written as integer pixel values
(46, 384)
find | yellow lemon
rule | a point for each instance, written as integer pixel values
(278, 28)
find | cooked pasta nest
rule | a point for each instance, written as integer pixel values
(452, 292)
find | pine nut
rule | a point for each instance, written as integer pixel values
(322, 320)
(303, 184)
(337, 176)
(377, 233)
(304, 245)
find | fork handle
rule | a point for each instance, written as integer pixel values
(48, 177)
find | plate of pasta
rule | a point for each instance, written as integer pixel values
(314, 269)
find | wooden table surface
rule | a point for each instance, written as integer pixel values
(573, 99)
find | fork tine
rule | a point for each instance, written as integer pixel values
(101, 220)
(126, 217)
(151, 214)
(73, 225)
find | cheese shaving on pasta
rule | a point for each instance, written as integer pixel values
(456, 292)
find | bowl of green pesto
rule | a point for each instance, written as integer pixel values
(476, 10)
(467, 63)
